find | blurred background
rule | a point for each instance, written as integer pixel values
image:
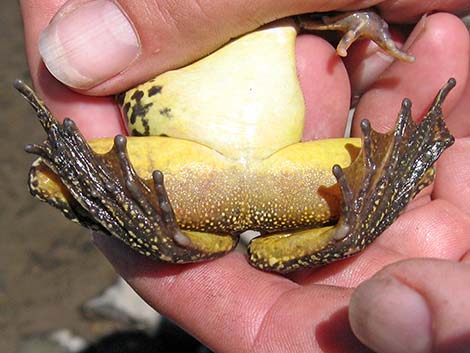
(49, 268)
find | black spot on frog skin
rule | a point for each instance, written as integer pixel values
(125, 108)
(137, 95)
(135, 132)
(140, 110)
(145, 124)
(120, 98)
(155, 90)
(166, 112)
(132, 118)
(35, 183)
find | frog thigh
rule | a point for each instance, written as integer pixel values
(390, 170)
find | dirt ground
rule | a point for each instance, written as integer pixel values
(48, 266)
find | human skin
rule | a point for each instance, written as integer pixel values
(391, 299)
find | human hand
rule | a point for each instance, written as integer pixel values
(233, 307)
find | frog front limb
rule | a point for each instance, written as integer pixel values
(356, 25)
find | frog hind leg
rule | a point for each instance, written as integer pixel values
(108, 195)
(355, 25)
(389, 171)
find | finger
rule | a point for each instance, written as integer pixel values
(419, 81)
(129, 43)
(138, 38)
(95, 116)
(414, 306)
(112, 46)
(105, 28)
(411, 10)
(453, 176)
(458, 122)
(232, 307)
(325, 86)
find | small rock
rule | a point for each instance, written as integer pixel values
(67, 339)
(61, 341)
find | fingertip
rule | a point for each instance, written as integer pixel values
(379, 313)
(87, 43)
(416, 305)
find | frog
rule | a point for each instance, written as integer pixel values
(204, 165)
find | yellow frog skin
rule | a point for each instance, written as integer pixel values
(218, 152)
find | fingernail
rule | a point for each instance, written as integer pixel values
(89, 44)
(389, 316)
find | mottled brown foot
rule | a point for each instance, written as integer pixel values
(356, 25)
(390, 170)
(106, 194)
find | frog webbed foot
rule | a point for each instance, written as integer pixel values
(103, 192)
(396, 166)
(388, 172)
(356, 25)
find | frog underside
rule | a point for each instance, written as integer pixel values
(214, 199)
(308, 211)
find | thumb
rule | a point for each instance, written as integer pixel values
(103, 46)
(416, 305)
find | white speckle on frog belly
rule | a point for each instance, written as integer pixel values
(243, 161)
